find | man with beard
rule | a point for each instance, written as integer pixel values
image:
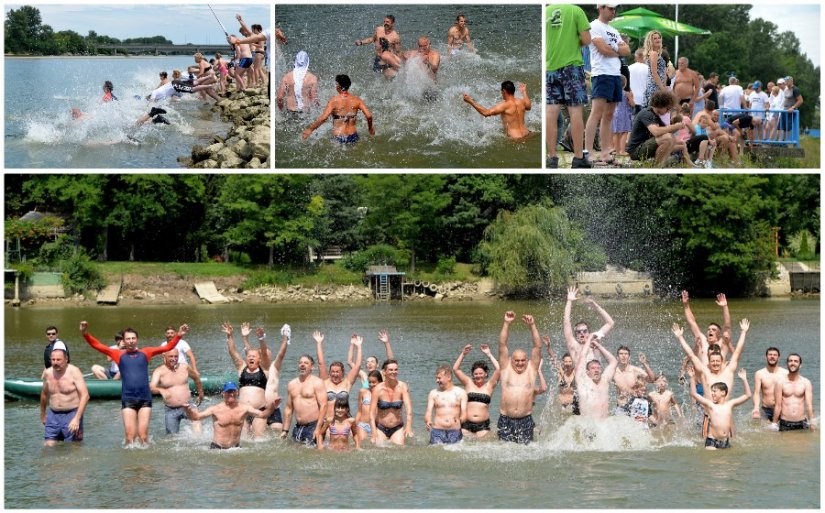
(308, 399)
(383, 31)
(793, 395)
(764, 385)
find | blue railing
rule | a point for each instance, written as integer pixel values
(790, 136)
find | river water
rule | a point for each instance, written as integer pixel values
(40, 132)
(411, 133)
(623, 467)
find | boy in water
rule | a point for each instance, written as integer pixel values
(640, 406)
(719, 409)
(662, 400)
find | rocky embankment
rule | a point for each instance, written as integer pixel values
(247, 143)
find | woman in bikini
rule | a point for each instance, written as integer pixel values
(337, 385)
(566, 371)
(252, 376)
(385, 408)
(479, 391)
(362, 418)
(343, 109)
(339, 429)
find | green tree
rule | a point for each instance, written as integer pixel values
(22, 30)
(536, 250)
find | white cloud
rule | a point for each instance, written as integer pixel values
(803, 20)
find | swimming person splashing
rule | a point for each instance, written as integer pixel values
(344, 110)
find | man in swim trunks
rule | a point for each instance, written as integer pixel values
(386, 31)
(299, 88)
(65, 392)
(518, 376)
(449, 404)
(592, 383)
(307, 398)
(52, 338)
(171, 381)
(686, 84)
(577, 340)
(135, 396)
(764, 385)
(459, 35)
(793, 395)
(229, 416)
(715, 334)
(511, 110)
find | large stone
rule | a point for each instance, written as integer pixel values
(224, 155)
(232, 163)
(243, 149)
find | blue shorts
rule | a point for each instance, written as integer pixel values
(57, 426)
(516, 430)
(305, 433)
(608, 87)
(566, 86)
(445, 436)
(245, 62)
(346, 139)
(275, 418)
(365, 426)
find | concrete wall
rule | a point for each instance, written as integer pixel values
(614, 282)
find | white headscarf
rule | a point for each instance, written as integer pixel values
(298, 74)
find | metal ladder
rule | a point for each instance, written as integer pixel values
(383, 287)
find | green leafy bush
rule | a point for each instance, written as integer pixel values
(379, 254)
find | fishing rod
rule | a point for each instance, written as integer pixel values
(219, 21)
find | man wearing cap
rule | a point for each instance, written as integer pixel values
(135, 396)
(567, 31)
(299, 88)
(229, 416)
(51, 336)
(606, 46)
(65, 392)
(793, 100)
(758, 103)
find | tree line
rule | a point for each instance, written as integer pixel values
(530, 232)
(27, 35)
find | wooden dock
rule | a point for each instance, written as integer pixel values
(109, 295)
(207, 291)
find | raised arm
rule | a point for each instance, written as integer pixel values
(608, 321)
(678, 331)
(612, 362)
(356, 341)
(114, 354)
(569, 336)
(706, 403)
(722, 301)
(552, 354)
(286, 333)
(457, 366)
(650, 375)
(266, 355)
(535, 353)
(319, 350)
(503, 353)
(523, 89)
(689, 317)
(743, 375)
(542, 388)
(230, 346)
(151, 352)
(757, 394)
(384, 337)
(245, 331)
(744, 324)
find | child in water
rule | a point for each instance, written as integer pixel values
(107, 91)
(340, 429)
(662, 400)
(719, 410)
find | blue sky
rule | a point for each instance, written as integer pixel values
(190, 23)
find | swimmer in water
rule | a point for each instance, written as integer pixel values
(344, 110)
(77, 114)
(339, 428)
(459, 35)
(107, 91)
(425, 57)
(389, 61)
(511, 110)
(383, 31)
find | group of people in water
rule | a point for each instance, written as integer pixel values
(298, 91)
(320, 405)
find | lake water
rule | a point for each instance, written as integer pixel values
(623, 467)
(40, 132)
(411, 133)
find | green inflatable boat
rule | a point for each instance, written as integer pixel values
(17, 389)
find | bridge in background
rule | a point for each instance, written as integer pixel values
(160, 49)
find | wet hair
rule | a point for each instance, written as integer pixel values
(129, 330)
(717, 326)
(390, 17)
(108, 87)
(311, 359)
(336, 364)
(377, 375)
(508, 87)
(793, 354)
(164, 74)
(387, 362)
(715, 348)
(460, 16)
(593, 361)
(444, 368)
(480, 365)
(343, 81)
(661, 100)
(342, 403)
(566, 355)
(623, 348)
(720, 387)
(257, 26)
(385, 44)
(768, 350)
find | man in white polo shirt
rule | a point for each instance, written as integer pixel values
(605, 49)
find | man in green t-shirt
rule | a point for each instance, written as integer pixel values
(567, 31)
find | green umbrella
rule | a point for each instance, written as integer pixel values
(636, 26)
(641, 11)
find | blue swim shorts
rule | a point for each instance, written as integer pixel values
(566, 86)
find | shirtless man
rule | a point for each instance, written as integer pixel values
(185, 353)
(386, 31)
(594, 384)
(793, 395)
(576, 341)
(719, 410)
(626, 376)
(299, 88)
(511, 110)
(686, 84)
(459, 35)
(65, 392)
(449, 405)
(764, 385)
(424, 57)
(171, 381)
(662, 400)
(518, 375)
(714, 371)
(228, 417)
(715, 334)
(244, 74)
(308, 399)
